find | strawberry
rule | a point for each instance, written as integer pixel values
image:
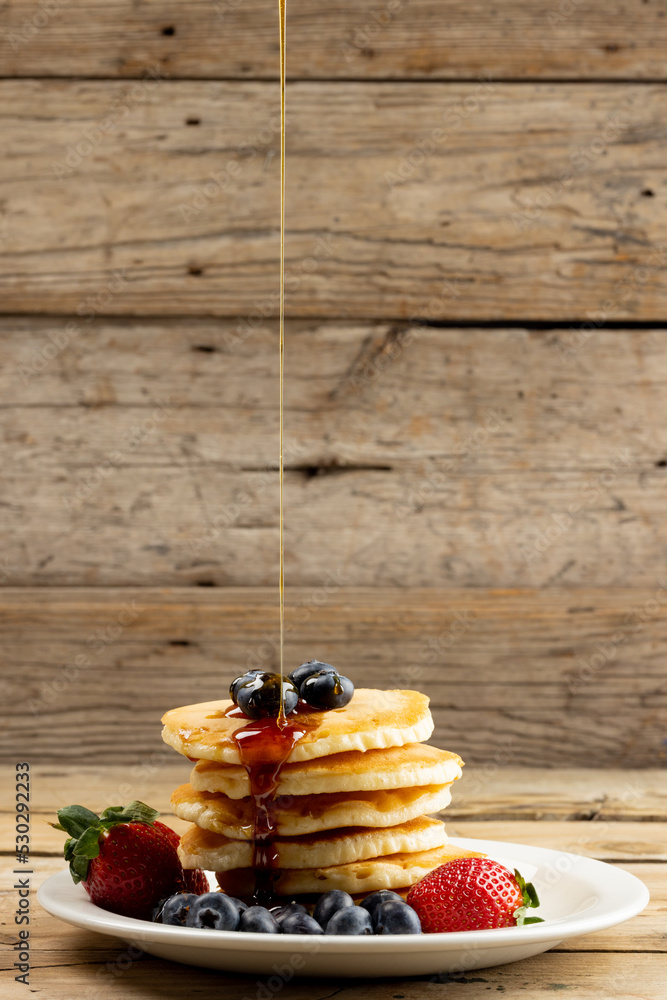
(194, 879)
(125, 860)
(472, 894)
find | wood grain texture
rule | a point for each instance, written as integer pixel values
(515, 677)
(144, 452)
(115, 205)
(67, 960)
(605, 840)
(603, 804)
(412, 39)
(590, 976)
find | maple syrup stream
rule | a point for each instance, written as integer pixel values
(265, 745)
(281, 9)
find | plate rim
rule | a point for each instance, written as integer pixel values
(116, 925)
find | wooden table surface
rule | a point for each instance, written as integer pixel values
(616, 816)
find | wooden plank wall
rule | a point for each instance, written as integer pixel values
(476, 364)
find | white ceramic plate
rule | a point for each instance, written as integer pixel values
(577, 895)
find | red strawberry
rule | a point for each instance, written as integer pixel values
(125, 860)
(472, 894)
(194, 879)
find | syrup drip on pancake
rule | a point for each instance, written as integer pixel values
(264, 746)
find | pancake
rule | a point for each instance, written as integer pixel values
(394, 871)
(211, 851)
(372, 720)
(305, 814)
(394, 767)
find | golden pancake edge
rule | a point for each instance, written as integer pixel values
(372, 720)
(351, 771)
(305, 814)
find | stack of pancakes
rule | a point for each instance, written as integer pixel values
(352, 806)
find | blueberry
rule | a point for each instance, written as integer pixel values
(258, 920)
(280, 912)
(259, 696)
(329, 903)
(325, 689)
(299, 923)
(238, 903)
(214, 911)
(175, 909)
(371, 902)
(299, 675)
(242, 679)
(350, 920)
(156, 912)
(393, 917)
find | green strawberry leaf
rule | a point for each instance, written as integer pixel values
(530, 899)
(78, 869)
(88, 844)
(86, 829)
(531, 892)
(521, 918)
(136, 812)
(528, 890)
(75, 819)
